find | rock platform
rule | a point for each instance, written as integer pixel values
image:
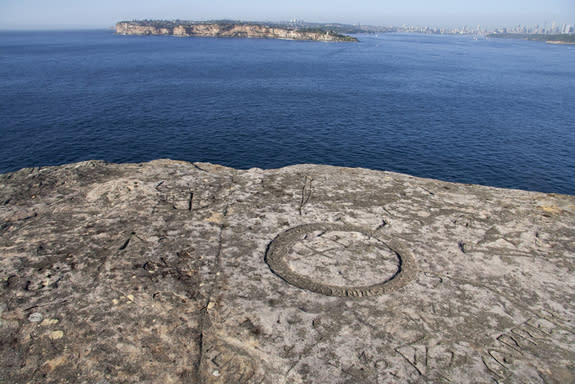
(172, 272)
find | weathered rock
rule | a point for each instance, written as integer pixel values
(185, 273)
(229, 30)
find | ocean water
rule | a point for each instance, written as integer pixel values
(492, 112)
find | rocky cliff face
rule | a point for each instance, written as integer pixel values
(125, 28)
(171, 272)
(228, 30)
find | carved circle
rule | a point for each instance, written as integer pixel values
(295, 254)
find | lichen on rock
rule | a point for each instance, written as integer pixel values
(175, 272)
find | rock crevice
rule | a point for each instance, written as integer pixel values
(175, 272)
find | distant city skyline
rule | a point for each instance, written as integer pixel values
(65, 14)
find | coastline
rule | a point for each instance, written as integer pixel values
(562, 39)
(560, 42)
(229, 30)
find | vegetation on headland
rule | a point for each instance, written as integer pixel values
(316, 31)
(557, 39)
(333, 33)
(332, 27)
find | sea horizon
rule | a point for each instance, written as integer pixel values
(448, 107)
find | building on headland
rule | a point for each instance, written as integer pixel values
(299, 29)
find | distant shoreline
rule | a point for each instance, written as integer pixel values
(229, 30)
(561, 39)
(560, 42)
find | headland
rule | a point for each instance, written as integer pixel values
(547, 38)
(229, 29)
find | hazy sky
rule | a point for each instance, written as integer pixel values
(24, 14)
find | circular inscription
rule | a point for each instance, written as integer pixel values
(339, 260)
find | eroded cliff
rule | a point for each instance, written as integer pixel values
(232, 30)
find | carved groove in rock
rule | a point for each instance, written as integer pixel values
(355, 242)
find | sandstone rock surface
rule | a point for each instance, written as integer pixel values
(233, 30)
(171, 272)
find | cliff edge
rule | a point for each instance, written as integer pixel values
(227, 29)
(171, 272)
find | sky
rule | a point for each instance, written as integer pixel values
(64, 14)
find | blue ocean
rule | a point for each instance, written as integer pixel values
(485, 111)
